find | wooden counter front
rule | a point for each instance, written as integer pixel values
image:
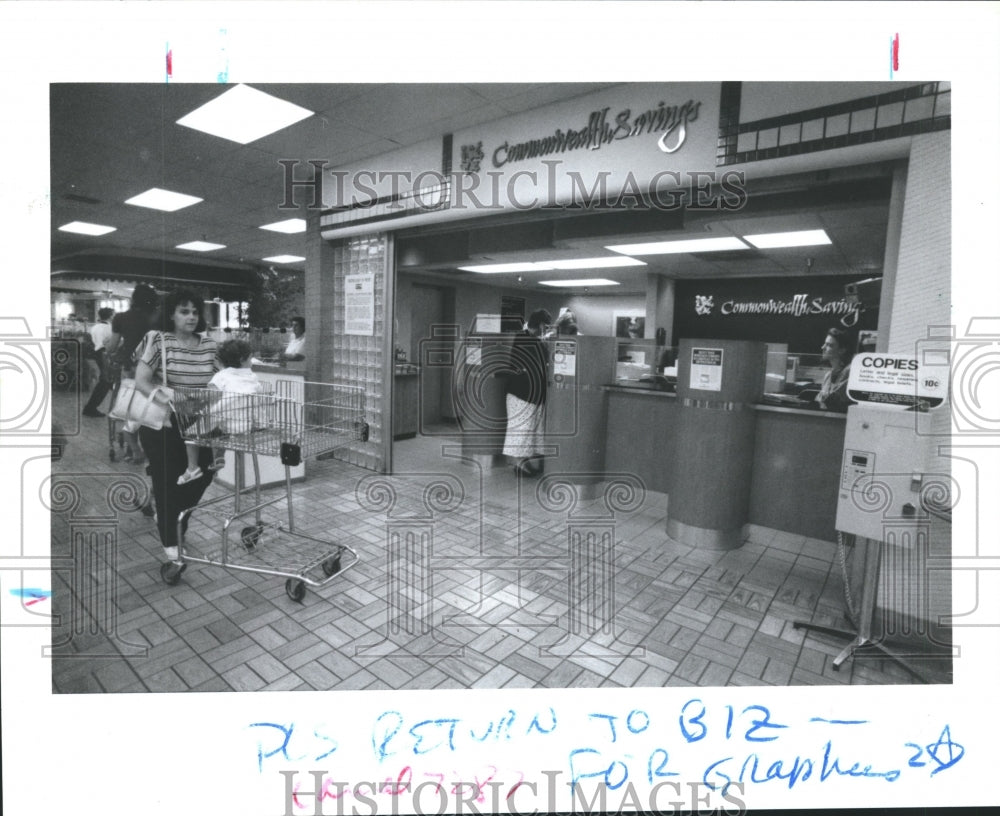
(797, 457)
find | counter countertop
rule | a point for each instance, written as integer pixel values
(645, 389)
(784, 409)
(277, 368)
(640, 388)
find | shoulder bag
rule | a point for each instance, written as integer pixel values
(132, 406)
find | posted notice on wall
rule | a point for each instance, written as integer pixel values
(473, 352)
(564, 358)
(896, 380)
(706, 369)
(359, 304)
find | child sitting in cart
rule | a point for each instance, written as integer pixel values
(230, 414)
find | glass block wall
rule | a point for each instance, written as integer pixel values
(357, 360)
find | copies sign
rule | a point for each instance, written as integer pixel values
(895, 380)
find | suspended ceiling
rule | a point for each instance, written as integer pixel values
(110, 142)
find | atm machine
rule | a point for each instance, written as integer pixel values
(893, 484)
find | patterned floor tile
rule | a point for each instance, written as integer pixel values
(681, 616)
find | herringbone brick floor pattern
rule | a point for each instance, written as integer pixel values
(467, 578)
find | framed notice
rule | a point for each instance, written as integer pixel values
(706, 369)
(359, 304)
(564, 358)
(629, 324)
(488, 323)
(473, 352)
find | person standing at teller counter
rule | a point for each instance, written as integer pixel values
(296, 348)
(525, 399)
(838, 349)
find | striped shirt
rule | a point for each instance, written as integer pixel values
(186, 367)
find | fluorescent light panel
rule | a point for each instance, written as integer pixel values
(83, 228)
(243, 115)
(284, 259)
(157, 199)
(594, 263)
(774, 240)
(201, 246)
(496, 269)
(673, 247)
(288, 226)
(581, 282)
(548, 266)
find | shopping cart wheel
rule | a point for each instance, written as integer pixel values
(295, 588)
(171, 572)
(331, 566)
(250, 536)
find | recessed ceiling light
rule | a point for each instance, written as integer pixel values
(289, 226)
(157, 199)
(489, 269)
(243, 115)
(773, 240)
(581, 282)
(548, 266)
(284, 259)
(83, 228)
(201, 246)
(594, 263)
(688, 245)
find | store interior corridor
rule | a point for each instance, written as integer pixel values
(494, 581)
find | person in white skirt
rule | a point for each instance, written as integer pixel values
(526, 387)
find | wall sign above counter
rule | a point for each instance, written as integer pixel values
(796, 311)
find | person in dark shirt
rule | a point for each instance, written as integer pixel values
(838, 349)
(526, 388)
(127, 330)
(99, 333)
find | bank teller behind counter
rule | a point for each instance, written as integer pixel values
(838, 349)
(831, 393)
(296, 348)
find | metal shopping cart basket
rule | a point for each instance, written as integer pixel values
(298, 421)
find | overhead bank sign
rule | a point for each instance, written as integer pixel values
(601, 128)
(641, 146)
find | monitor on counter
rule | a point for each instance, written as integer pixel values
(487, 324)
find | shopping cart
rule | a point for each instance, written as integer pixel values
(298, 421)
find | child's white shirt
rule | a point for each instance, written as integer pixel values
(236, 414)
(237, 381)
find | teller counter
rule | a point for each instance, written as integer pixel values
(796, 457)
(272, 472)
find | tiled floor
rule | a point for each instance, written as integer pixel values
(468, 578)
